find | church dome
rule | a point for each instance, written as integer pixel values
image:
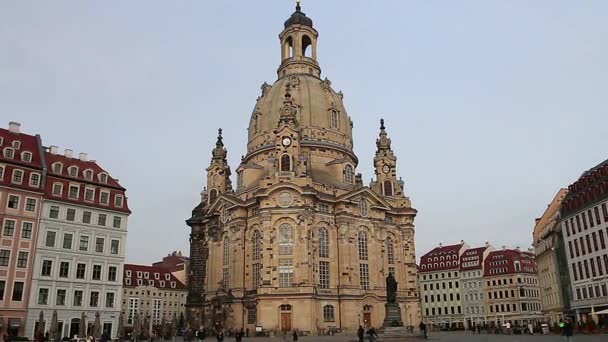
(298, 18)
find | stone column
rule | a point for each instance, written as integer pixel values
(196, 277)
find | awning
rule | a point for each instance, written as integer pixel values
(603, 312)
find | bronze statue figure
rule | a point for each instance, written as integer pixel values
(391, 289)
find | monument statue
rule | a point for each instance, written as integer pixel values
(391, 289)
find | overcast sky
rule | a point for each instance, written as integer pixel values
(492, 106)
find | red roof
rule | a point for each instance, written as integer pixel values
(159, 276)
(509, 261)
(26, 143)
(441, 258)
(82, 166)
(472, 259)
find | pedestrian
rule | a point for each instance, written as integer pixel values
(5, 337)
(39, 336)
(372, 334)
(220, 335)
(422, 327)
(238, 335)
(105, 336)
(360, 333)
(568, 330)
(531, 328)
(295, 335)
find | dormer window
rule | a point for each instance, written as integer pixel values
(74, 190)
(26, 157)
(103, 178)
(118, 201)
(173, 284)
(167, 276)
(57, 189)
(104, 198)
(57, 168)
(17, 176)
(16, 144)
(162, 283)
(9, 153)
(139, 274)
(73, 170)
(140, 282)
(157, 276)
(1, 171)
(35, 180)
(151, 282)
(146, 275)
(1, 141)
(128, 281)
(88, 174)
(128, 274)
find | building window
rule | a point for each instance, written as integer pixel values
(112, 272)
(225, 278)
(118, 201)
(17, 291)
(26, 157)
(17, 176)
(390, 250)
(57, 167)
(324, 274)
(256, 241)
(26, 230)
(334, 119)
(114, 247)
(89, 194)
(30, 204)
(34, 180)
(57, 189)
(285, 239)
(226, 263)
(9, 153)
(13, 202)
(101, 219)
(239, 180)
(88, 174)
(22, 259)
(50, 239)
(86, 217)
(117, 222)
(363, 207)
(1, 171)
(286, 162)
(2, 289)
(47, 268)
(43, 296)
(349, 174)
(285, 272)
(388, 188)
(84, 243)
(94, 299)
(96, 272)
(9, 228)
(257, 274)
(73, 170)
(328, 313)
(73, 193)
(110, 300)
(70, 214)
(99, 244)
(252, 315)
(81, 270)
(133, 309)
(323, 243)
(362, 245)
(61, 294)
(64, 269)
(67, 240)
(103, 178)
(104, 198)
(364, 276)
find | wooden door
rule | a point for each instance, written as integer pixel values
(286, 321)
(367, 319)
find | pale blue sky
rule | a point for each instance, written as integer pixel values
(492, 105)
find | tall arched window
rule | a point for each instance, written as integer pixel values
(349, 174)
(306, 42)
(390, 250)
(286, 162)
(288, 48)
(328, 313)
(226, 264)
(363, 207)
(323, 243)
(256, 242)
(285, 239)
(256, 123)
(333, 118)
(362, 245)
(388, 188)
(212, 196)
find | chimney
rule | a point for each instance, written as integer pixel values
(83, 157)
(68, 153)
(14, 127)
(54, 149)
(504, 248)
(517, 248)
(487, 244)
(462, 242)
(440, 245)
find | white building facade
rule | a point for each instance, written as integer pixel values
(472, 292)
(80, 252)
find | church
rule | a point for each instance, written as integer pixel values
(301, 243)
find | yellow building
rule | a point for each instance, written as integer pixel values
(301, 243)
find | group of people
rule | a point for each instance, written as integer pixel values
(371, 334)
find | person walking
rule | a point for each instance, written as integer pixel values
(220, 335)
(238, 335)
(360, 333)
(295, 335)
(422, 327)
(568, 330)
(372, 334)
(531, 328)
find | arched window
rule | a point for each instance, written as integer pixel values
(323, 243)
(212, 196)
(226, 258)
(363, 207)
(256, 242)
(388, 188)
(57, 167)
(285, 307)
(349, 174)
(390, 250)
(306, 42)
(288, 48)
(333, 119)
(226, 264)
(286, 162)
(328, 313)
(285, 239)
(9, 153)
(362, 245)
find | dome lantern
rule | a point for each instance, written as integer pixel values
(299, 46)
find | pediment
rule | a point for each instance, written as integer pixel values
(224, 199)
(369, 195)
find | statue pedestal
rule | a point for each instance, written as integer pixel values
(392, 313)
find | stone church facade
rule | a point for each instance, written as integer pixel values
(300, 243)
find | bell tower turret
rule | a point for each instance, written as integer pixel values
(299, 46)
(218, 173)
(385, 166)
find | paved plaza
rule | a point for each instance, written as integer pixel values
(439, 336)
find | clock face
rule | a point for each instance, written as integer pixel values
(386, 169)
(286, 141)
